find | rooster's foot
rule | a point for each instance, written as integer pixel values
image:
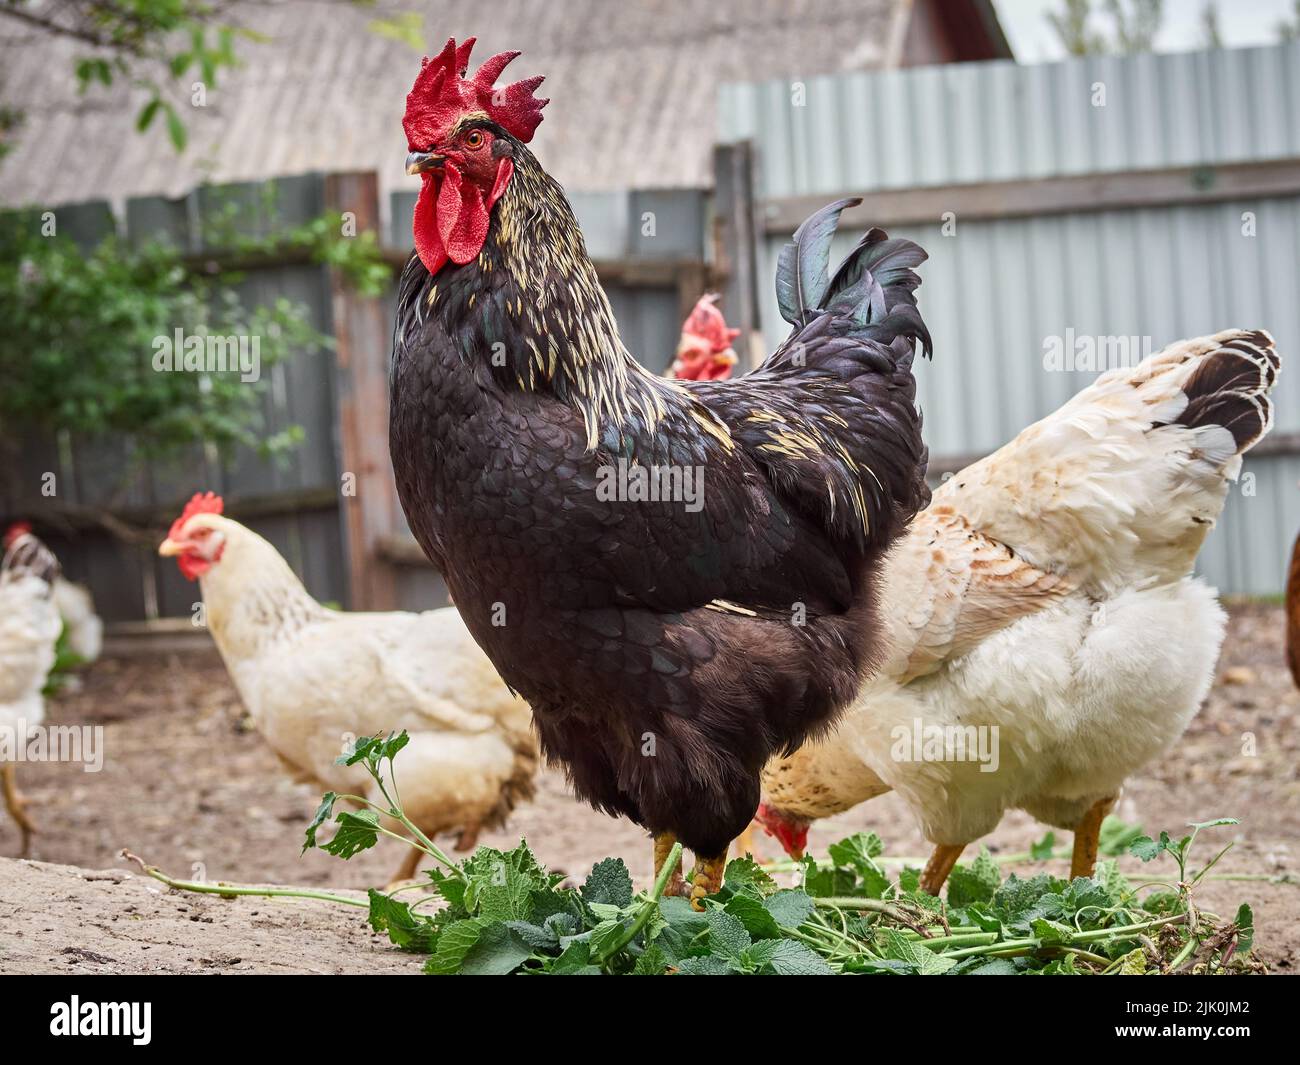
(707, 878)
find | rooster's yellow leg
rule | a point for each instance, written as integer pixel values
(939, 866)
(17, 806)
(1084, 859)
(663, 845)
(707, 878)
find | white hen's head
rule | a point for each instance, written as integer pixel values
(198, 538)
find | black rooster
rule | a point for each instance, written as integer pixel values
(668, 646)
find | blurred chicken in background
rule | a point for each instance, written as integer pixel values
(29, 629)
(311, 678)
(704, 352)
(83, 630)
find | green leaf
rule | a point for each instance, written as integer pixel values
(790, 908)
(610, 883)
(405, 929)
(322, 815)
(1146, 848)
(977, 883)
(653, 962)
(748, 908)
(707, 966)
(994, 967)
(175, 128)
(789, 958)
(457, 939)
(1050, 931)
(357, 831)
(147, 114)
(1042, 850)
(896, 945)
(743, 872)
(1215, 823)
(498, 951)
(575, 960)
(1245, 922)
(727, 936)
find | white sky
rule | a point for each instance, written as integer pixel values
(1241, 23)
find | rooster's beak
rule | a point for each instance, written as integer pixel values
(170, 547)
(726, 358)
(421, 162)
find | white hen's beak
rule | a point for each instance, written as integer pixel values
(169, 548)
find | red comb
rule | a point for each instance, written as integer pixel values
(16, 530)
(201, 503)
(442, 94)
(706, 322)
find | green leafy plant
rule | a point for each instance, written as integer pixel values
(502, 912)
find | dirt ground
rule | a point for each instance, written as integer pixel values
(190, 787)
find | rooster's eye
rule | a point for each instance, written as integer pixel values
(474, 139)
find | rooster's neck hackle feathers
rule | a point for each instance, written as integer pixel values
(532, 308)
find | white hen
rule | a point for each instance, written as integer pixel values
(313, 678)
(1046, 596)
(82, 627)
(29, 629)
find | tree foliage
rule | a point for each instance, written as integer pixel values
(82, 327)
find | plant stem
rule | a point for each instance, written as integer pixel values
(661, 882)
(236, 889)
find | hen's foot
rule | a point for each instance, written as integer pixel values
(664, 842)
(17, 806)
(1086, 835)
(707, 878)
(938, 867)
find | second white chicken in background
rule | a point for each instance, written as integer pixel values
(310, 676)
(1045, 600)
(29, 629)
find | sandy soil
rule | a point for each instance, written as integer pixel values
(190, 787)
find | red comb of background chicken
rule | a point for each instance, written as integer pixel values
(201, 503)
(14, 531)
(442, 94)
(707, 323)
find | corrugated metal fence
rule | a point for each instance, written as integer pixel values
(1131, 201)
(352, 549)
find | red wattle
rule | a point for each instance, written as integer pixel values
(451, 216)
(462, 216)
(428, 242)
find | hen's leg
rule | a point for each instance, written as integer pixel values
(663, 845)
(939, 866)
(1084, 859)
(707, 879)
(17, 806)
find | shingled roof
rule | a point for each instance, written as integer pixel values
(634, 87)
